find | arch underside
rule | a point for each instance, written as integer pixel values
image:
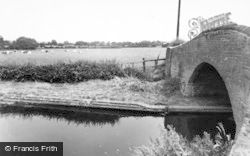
(207, 82)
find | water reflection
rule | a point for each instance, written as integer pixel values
(107, 132)
(86, 117)
(191, 125)
(71, 114)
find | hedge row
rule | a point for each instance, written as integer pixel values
(61, 72)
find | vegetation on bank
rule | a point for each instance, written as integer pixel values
(125, 84)
(136, 73)
(61, 72)
(170, 143)
(69, 72)
(80, 71)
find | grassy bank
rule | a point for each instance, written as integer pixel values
(118, 89)
(67, 72)
(84, 79)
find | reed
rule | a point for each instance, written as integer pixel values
(173, 144)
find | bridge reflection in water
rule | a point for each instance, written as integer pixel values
(189, 125)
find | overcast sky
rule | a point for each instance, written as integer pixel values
(109, 20)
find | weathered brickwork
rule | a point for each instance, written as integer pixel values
(227, 50)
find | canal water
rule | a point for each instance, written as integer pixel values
(97, 133)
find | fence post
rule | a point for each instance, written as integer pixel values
(144, 64)
(156, 63)
(168, 62)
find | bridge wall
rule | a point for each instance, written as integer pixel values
(227, 49)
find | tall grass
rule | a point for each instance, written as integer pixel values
(170, 143)
(70, 72)
(136, 73)
(61, 72)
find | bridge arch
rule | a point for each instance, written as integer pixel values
(206, 81)
(225, 50)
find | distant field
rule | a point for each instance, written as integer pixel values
(123, 55)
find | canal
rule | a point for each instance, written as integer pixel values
(98, 132)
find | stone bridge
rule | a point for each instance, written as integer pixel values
(216, 63)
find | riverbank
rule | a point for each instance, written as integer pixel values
(132, 91)
(117, 89)
(128, 94)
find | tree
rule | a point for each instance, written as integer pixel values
(7, 44)
(24, 43)
(66, 43)
(1, 43)
(53, 42)
(42, 44)
(144, 44)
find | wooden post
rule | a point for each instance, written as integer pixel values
(156, 63)
(144, 64)
(133, 65)
(168, 62)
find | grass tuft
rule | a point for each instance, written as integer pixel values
(136, 73)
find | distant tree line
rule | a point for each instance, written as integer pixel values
(101, 44)
(26, 43)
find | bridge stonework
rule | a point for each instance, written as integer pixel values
(225, 53)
